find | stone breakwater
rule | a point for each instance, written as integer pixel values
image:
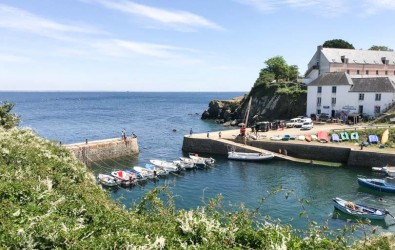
(316, 152)
(104, 149)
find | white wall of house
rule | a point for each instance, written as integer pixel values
(346, 101)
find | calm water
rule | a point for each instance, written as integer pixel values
(74, 117)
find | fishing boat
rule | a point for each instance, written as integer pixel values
(377, 184)
(197, 163)
(323, 136)
(233, 155)
(123, 177)
(335, 138)
(145, 173)
(137, 175)
(184, 164)
(354, 136)
(387, 170)
(107, 180)
(169, 166)
(159, 171)
(359, 210)
(197, 158)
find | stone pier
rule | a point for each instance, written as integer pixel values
(104, 149)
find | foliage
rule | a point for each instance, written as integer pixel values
(338, 43)
(277, 66)
(8, 120)
(381, 48)
(49, 200)
(293, 72)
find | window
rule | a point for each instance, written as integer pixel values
(360, 109)
(348, 71)
(377, 72)
(378, 97)
(361, 97)
(367, 72)
(319, 89)
(333, 89)
(386, 72)
(358, 72)
(333, 100)
(318, 111)
(318, 100)
(377, 109)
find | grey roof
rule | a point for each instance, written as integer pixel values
(358, 56)
(373, 84)
(332, 79)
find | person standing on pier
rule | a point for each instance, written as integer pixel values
(190, 132)
(124, 135)
(208, 134)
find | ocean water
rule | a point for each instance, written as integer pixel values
(71, 117)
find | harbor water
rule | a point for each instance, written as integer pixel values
(160, 120)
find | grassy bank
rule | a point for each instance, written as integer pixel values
(50, 200)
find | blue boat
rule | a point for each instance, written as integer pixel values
(377, 184)
(359, 210)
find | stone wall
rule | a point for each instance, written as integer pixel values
(371, 159)
(104, 149)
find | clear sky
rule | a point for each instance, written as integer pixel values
(173, 45)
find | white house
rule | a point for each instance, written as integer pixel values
(339, 94)
(351, 61)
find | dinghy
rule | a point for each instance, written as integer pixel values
(377, 184)
(169, 166)
(145, 173)
(184, 164)
(314, 137)
(276, 138)
(301, 138)
(335, 138)
(159, 171)
(123, 177)
(384, 136)
(373, 139)
(285, 137)
(107, 180)
(197, 158)
(359, 210)
(323, 136)
(308, 138)
(354, 136)
(233, 155)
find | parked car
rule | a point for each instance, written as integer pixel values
(291, 123)
(300, 123)
(262, 126)
(323, 117)
(307, 125)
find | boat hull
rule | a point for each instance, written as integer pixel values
(249, 156)
(377, 184)
(360, 211)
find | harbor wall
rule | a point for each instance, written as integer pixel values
(348, 156)
(104, 149)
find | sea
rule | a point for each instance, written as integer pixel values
(292, 193)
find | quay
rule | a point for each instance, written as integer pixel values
(347, 153)
(91, 151)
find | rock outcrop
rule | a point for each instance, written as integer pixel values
(222, 111)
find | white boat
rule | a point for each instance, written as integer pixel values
(314, 137)
(232, 155)
(301, 138)
(388, 170)
(198, 159)
(199, 163)
(145, 173)
(276, 138)
(159, 171)
(108, 180)
(123, 177)
(185, 164)
(169, 166)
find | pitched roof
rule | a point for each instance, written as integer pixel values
(332, 79)
(373, 84)
(358, 56)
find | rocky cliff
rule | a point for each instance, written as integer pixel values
(269, 102)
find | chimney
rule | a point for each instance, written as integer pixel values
(384, 60)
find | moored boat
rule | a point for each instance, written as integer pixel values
(123, 177)
(196, 157)
(107, 180)
(359, 210)
(377, 184)
(233, 155)
(169, 166)
(145, 173)
(159, 171)
(184, 164)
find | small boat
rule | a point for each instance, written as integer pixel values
(145, 173)
(308, 138)
(335, 138)
(107, 180)
(159, 171)
(276, 138)
(359, 210)
(197, 163)
(137, 175)
(388, 170)
(233, 155)
(380, 170)
(373, 139)
(344, 136)
(323, 136)
(185, 164)
(354, 136)
(197, 158)
(285, 137)
(384, 136)
(301, 138)
(123, 177)
(377, 184)
(314, 137)
(293, 137)
(169, 166)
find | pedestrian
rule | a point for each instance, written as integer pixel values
(190, 132)
(123, 134)
(208, 134)
(285, 151)
(219, 134)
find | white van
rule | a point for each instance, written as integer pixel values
(292, 122)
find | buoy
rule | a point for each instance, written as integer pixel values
(174, 130)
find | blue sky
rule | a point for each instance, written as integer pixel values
(173, 45)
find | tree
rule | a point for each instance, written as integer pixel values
(265, 77)
(293, 72)
(277, 66)
(338, 43)
(379, 47)
(8, 120)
